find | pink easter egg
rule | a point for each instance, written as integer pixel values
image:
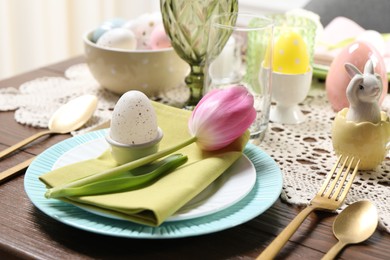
(159, 39)
(338, 79)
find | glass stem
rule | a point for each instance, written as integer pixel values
(195, 82)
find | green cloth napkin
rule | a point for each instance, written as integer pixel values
(153, 204)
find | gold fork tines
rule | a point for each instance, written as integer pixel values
(330, 196)
(336, 187)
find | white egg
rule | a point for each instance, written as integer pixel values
(118, 38)
(134, 120)
(143, 27)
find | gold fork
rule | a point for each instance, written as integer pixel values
(330, 197)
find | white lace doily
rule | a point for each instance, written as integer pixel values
(304, 152)
(35, 101)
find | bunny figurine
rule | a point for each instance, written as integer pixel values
(362, 131)
(363, 93)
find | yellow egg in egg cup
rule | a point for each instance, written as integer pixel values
(291, 76)
(292, 57)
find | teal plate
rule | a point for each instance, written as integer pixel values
(265, 192)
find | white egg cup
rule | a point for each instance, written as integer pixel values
(124, 153)
(288, 90)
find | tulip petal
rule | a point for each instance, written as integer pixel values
(221, 117)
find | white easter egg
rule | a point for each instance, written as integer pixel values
(134, 120)
(143, 27)
(118, 38)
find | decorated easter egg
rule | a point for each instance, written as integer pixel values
(118, 38)
(143, 27)
(290, 54)
(134, 120)
(159, 39)
(106, 26)
(338, 79)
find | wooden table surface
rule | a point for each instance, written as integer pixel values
(26, 232)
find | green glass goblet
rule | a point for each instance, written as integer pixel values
(187, 24)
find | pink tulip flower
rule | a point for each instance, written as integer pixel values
(222, 116)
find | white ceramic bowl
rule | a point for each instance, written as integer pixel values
(149, 71)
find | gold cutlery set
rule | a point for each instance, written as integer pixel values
(354, 224)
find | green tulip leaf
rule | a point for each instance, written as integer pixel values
(130, 180)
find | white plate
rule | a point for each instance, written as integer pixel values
(230, 187)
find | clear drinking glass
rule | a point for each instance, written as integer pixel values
(239, 52)
(187, 23)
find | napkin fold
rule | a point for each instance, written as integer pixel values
(153, 204)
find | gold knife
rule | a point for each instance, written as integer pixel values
(15, 170)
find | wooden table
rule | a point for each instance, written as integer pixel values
(26, 232)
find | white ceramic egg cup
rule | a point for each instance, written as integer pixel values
(124, 153)
(288, 90)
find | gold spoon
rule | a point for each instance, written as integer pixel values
(67, 118)
(355, 224)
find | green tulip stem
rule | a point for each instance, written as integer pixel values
(130, 180)
(57, 192)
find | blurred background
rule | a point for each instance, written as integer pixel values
(40, 32)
